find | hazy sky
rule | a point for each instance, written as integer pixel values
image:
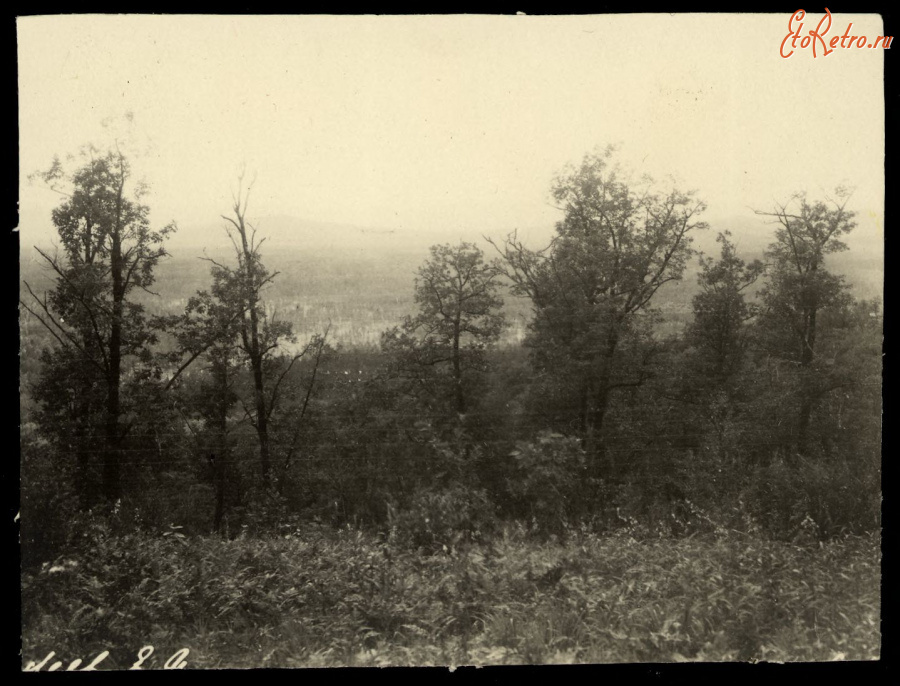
(451, 125)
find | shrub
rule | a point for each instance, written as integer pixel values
(827, 491)
(443, 517)
(48, 500)
(548, 480)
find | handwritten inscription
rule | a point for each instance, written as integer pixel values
(177, 661)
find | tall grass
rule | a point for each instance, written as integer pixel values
(320, 597)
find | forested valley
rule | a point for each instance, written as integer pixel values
(536, 461)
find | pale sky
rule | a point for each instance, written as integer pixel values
(451, 125)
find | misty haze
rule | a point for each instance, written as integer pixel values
(448, 341)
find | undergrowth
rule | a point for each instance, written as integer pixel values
(321, 597)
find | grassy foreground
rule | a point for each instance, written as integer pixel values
(322, 598)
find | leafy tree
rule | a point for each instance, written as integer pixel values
(108, 249)
(70, 411)
(592, 287)
(715, 381)
(721, 311)
(849, 348)
(441, 350)
(800, 288)
(214, 398)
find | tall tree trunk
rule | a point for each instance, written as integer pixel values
(219, 466)
(262, 420)
(806, 360)
(219, 460)
(85, 486)
(602, 465)
(457, 371)
(255, 353)
(112, 477)
(112, 473)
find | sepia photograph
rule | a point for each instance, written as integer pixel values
(450, 340)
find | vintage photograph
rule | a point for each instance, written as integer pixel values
(416, 340)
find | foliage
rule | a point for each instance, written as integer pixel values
(548, 479)
(800, 290)
(721, 311)
(439, 352)
(826, 492)
(49, 498)
(443, 518)
(325, 597)
(109, 251)
(629, 484)
(617, 244)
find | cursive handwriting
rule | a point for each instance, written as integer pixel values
(177, 661)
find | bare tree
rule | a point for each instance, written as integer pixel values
(262, 338)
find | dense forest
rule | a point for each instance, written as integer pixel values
(600, 486)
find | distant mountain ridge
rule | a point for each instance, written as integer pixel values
(751, 234)
(298, 233)
(317, 243)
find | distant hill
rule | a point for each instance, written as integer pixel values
(284, 232)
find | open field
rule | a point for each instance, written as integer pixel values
(361, 293)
